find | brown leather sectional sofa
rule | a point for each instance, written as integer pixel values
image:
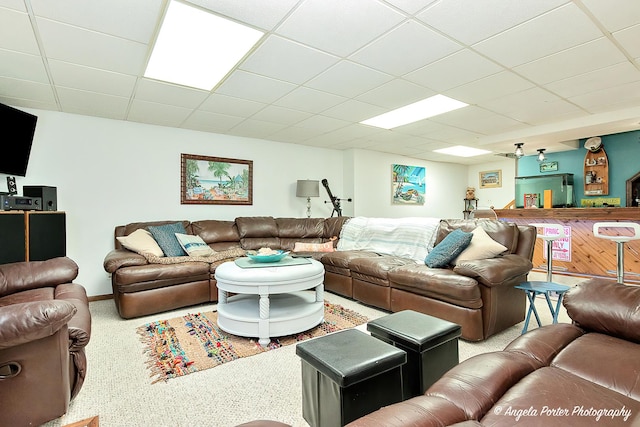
(478, 295)
(45, 325)
(579, 374)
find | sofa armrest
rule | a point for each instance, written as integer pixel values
(604, 306)
(22, 276)
(495, 271)
(31, 321)
(122, 258)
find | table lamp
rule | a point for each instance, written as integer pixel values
(308, 188)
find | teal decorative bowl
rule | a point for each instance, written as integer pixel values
(267, 258)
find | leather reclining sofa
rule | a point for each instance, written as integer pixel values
(45, 325)
(583, 373)
(478, 295)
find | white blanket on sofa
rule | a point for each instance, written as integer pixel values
(411, 237)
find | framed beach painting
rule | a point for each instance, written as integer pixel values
(215, 180)
(408, 185)
(491, 179)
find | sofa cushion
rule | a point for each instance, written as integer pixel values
(313, 247)
(219, 235)
(448, 249)
(482, 246)
(505, 233)
(141, 241)
(165, 235)
(194, 245)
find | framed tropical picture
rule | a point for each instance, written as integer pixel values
(491, 179)
(408, 185)
(215, 180)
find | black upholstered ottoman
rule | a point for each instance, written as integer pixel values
(346, 375)
(431, 345)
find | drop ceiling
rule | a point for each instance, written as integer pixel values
(542, 72)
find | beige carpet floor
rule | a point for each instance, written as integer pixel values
(119, 389)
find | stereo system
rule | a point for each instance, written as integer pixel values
(20, 203)
(48, 195)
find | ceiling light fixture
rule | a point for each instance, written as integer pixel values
(519, 151)
(429, 107)
(541, 156)
(196, 48)
(461, 151)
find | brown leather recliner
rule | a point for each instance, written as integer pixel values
(45, 325)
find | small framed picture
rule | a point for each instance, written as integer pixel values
(548, 166)
(491, 179)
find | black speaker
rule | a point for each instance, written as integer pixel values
(47, 194)
(11, 185)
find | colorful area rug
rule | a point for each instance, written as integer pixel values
(192, 343)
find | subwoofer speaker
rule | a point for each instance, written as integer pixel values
(47, 194)
(11, 185)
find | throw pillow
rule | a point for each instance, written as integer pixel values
(448, 249)
(165, 235)
(313, 247)
(194, 245)
(141, 241)
(482, 246)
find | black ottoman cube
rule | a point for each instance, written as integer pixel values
(431, 345)
(346, 375)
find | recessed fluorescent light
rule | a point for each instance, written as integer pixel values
(420, 110)
(462, 151)
(196, 48)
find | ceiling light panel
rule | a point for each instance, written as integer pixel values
(462, 151)
(197, 49)
(420, 110)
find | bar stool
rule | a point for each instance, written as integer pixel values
(535, 288)
(620, 241)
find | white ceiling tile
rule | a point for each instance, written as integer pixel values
(552, 32)
(353, 110)
(601, 79)
(91, 79)
(22, 66)
(622, 96)
(488, 88)
(158, 114)
(93, 104)
(228, 105)
(459, 68)
(285, 116)
(531, 106)
(411, 6)
(473, 21)
(347, 133)
(263, 14)
(629, 38)
(615, 16)
(309, 100)
(79, 46)
(254, 87)
(166, 93)
(13, 4)
(256, 128)
(293, 134)
(28, 103)
(348, 79)
(478, 120)
(337, 26)
(16, 32)
(211, 122)
(322, 124)
(405, 49)
(133, 20)
(453, 135)
(23, 89)
(268, 61)
(396, 93)
(581, 59)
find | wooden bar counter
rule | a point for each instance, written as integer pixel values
(582, 254)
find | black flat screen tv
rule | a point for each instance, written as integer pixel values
(16, 138)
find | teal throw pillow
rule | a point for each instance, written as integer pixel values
(448, 249)
(165, 235)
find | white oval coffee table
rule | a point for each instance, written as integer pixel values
(270, 301)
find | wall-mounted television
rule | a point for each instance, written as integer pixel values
(16, 138)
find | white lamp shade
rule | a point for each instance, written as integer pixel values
(307, 188)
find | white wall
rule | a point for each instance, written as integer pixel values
(110, 172)
(446, 184)
(497, 197)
